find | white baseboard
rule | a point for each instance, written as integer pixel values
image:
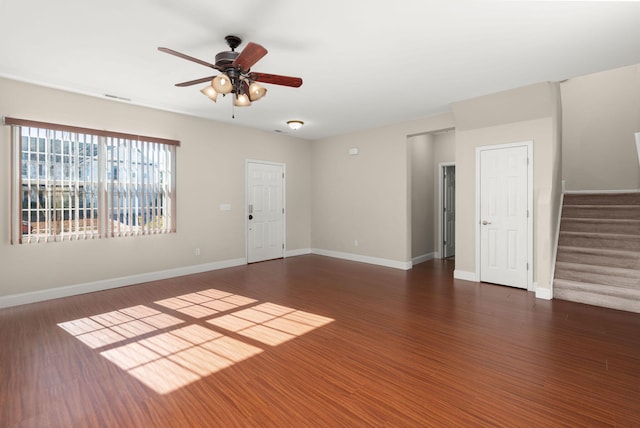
(299, 252)
(543, 293)
(467, 276)
(423, 258)
(363, 259)
(90, 287)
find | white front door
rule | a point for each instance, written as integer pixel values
(449, 211)
(265, 211)
(504, 200)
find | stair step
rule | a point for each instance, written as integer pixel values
(599, 257)
(631, 212)
(596, 225)
(599, 295)
(600, 240)
(630, 198)
(618, 277)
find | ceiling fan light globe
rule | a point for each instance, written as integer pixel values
(210, 92)
(242, 100)
(222, 84)
(256, 91)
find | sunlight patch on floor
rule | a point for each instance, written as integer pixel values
(159, 350)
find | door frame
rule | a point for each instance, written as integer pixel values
(246, 205)
(441, 226)
(529, 145)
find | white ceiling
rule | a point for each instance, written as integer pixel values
(365, 63)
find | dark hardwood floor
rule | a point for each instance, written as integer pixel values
(315, 341)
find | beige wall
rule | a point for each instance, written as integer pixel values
(210, 171)
(535, 107)
(421, 156)
(601, 113)
(366, 197)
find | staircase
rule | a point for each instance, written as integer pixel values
(598, 258)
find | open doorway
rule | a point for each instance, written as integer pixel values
(447, 222)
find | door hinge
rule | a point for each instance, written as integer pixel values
(283, 211)
(527, 265)
(283, 245)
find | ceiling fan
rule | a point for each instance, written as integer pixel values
(235, 75)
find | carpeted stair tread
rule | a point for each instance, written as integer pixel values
(600, 240)
(618, 277)
(598, 295)
(600, 257)
(631, 212)
(630, 198)
(600, 225)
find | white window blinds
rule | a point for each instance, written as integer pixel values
(74, 183)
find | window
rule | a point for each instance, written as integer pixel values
(74, 183)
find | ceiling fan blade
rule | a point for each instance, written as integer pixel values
(277, 79)
(187, 57)
(251, 54)
(195, 82)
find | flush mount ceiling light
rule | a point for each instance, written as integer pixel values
(295, 124)
(236, 76)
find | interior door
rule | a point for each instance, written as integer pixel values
(265, 211)
(449, 211)
(504, 208)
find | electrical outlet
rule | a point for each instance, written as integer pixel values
(197, 251)
(355, 242)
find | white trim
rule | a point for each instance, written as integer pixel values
(246, 204)
(441, 226)
(423, 258)
(90, 287)
(544, 293)
(363, 259)
(467, 276)
(298, 252)
(529, 145)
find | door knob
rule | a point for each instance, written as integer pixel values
(485, 222)
(250, 216)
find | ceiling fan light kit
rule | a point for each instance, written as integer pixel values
(235, 74)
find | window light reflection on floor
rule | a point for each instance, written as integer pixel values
(158, 349)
